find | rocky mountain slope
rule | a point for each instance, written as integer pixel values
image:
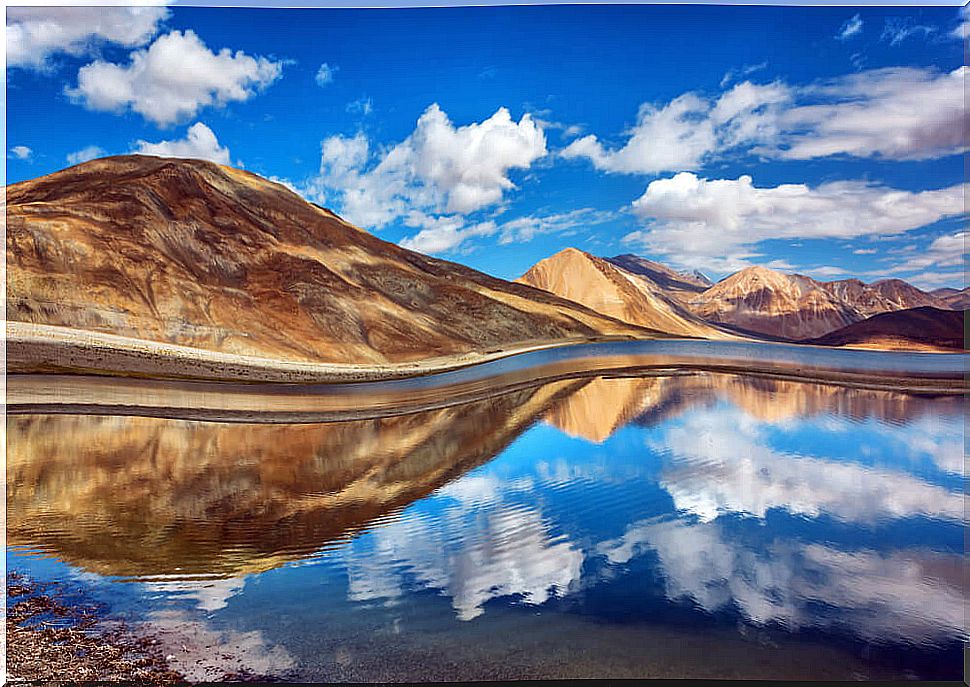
(903, 295)
(923, 328)
(192, 253)
(867, 300)
(609, 289)
(957, 299)
(670, 280)
(761, 300)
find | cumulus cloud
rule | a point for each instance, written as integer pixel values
(896, 113)
(199, 142)
(173, 79)
(85, 154)
(325, 75)
(35, 34)
(851, 27)
(685, 132)
(21, 153)
(715, 224)
(432, 179)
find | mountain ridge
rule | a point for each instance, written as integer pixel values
(192, 253)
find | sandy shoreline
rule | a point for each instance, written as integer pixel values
(37, 348)
(55, 370)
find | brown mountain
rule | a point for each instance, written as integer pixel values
(606, 288)
(957, 299)
(192, 253)
(904, 295)
(224, 499)
(676, 283)
(761, 300)
(867, 300)
(923, 328)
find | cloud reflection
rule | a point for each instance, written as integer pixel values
(480, 547)
(909, 595)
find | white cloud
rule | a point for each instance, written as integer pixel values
(962, 31)
(199, 142)
(85, 154)
(440, 170)
(21, 153)
(685, 132)
(442, 234)
(361, 106)
(746, 70)
(945, 251)
(896, 113)
(447, 233)
(715, 224)
(898, 29)
(899, 114)
(526, 228)
(827, 271)
(35, 34)
(865, 251)
(172, 79)
(325, 75)
(851, 27)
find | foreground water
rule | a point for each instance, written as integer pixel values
(677, 526)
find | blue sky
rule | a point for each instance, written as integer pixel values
(826, 141)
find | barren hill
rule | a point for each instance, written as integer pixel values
(923, 328)
(192, 253)
(769, 302)
(904, 295)
(612, 290)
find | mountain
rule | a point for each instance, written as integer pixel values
(957, 299)
(761, 300)
(905, 296)
(192, 253)
(664, 277)
(867, 300)
(923, 328)
(606, 288)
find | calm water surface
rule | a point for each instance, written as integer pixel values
(681, 526)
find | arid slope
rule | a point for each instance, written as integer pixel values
(611, 290)
(921, 329)
(191, 253)
(769, 302)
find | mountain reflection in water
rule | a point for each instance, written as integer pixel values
(702, 504)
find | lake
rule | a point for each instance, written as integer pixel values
(673, 525)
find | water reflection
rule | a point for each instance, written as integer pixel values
(701, 501)
(135, 496)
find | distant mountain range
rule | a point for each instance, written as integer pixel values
(756, 302)
(196, 254)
